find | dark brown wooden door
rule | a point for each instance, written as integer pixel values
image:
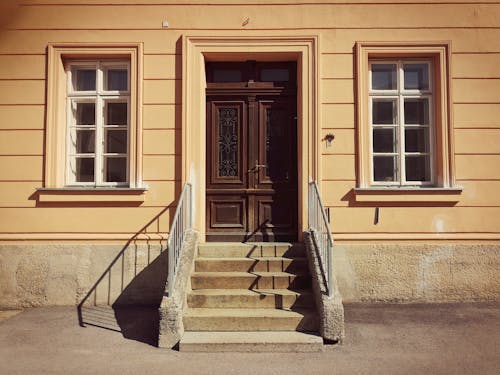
(252, 157)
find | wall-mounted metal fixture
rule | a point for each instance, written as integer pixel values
(329, 139)
(164, 24)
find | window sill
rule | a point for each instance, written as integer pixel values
(407, 195)
(91, 195)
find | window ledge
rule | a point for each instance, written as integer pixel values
(407, 195)
(84, 194)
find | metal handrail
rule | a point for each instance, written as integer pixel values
(183, 220)
(321, 234)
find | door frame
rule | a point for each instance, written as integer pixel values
(199, 49)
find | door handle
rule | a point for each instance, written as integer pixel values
(256, 167)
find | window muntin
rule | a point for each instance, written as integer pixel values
(401, 122)
(98, 118)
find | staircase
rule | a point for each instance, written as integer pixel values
(250, 297)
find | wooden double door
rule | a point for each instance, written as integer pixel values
(252, 155)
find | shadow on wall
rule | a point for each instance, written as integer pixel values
(127, 295)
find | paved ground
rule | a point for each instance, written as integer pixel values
(381, 339)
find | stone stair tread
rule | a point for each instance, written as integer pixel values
(251, 257)
(250, 313)
(251, 264)
(246, 274)
(247, 244)
(250, 341)
(250, 297)
(229, 249)
(250, 292)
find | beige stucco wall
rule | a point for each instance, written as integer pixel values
(53, 252)
(470, 28)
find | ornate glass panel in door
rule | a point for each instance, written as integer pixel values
(227, 137)
(227, 128)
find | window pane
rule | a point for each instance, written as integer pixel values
(116, 141)
(384, 168)
(85, 141)
(417, 168)
(117, 79)
(227, 75)
(416, 111)
(417, 139)
(384, 112)
(384, 77)
(383, 140)
(117, 114)
(274, 75)
(116, 169)
(84, 170)
(85, 80)
(416, 76)
(85, 113)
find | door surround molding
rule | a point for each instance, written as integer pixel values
(199, 49)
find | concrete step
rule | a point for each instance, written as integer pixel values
(256, 249)
(206, 319)
(259, 298)
(266, 264)
(245, 280)
(250, 342)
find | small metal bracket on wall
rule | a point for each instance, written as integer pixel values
(329, 139)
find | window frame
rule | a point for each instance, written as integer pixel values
(400, 95)
(55, 186)
(101, 97)
(443, 189)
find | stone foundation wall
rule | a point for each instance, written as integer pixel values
(418, 273)
(38, 275)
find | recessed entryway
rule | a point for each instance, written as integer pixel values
(299, 51)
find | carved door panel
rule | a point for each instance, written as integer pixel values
(276, 178)
(227, 165)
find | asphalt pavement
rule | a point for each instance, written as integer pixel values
(381, 339)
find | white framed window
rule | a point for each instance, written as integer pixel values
(98, 123)
(401, 118)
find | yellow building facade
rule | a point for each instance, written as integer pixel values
(104, 107)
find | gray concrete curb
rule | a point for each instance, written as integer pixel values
(330, 309)
(172, 307)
